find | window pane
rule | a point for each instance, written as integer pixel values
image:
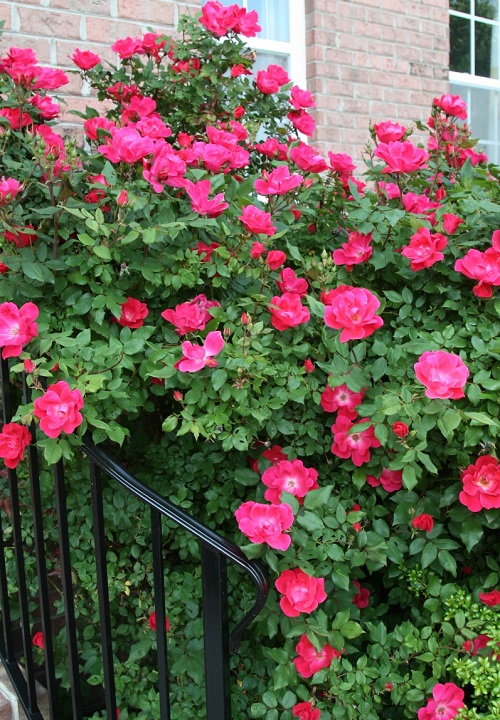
(484, 37)
(460, 5)
(264, 59)
(459, 44)
(484, 112)
(487, 9)
(274, 18)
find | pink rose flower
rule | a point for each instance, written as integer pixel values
(447, 701)
(341, 163)
(355, 446)
(166, 167)
(356, 250)
(305, 711)
(257, 250)
(38, 640)
(491, 598)
(310, 660)
(190, 316)
(275, 259)
(92, 126)
(401, 157)
(48, 110)
(58, 409)
(152, 621)
(290, 283)
(424, 249)
(301, 592)
(257, 221)
(14, 439)
(127, 146)
(126, 47)
(481, 484)
(443, 374)
(199, 192)
(17, 327)
(289, 476)
(9, 188)
(451, 223)
(287, 311)
(301, 99)
(391, 480)
(308, 159)
(481, 266)
(195, 358)
(400, 429)
(353, 311)
(278, 182)
(85, 60)
(273, 149)
(389, 131)
(452, 105)
(342, 399)
(423, 522)
(302, 121)
(266, 523)
(133, 313)
(362, 597)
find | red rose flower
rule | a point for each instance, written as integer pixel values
(481, 484)
(152, 621)
(491, 598)
(400, 429)
(133, 313)
(423, 522)
(310, 660)
(287, 311)
(305, 711)
(38, 640)
(301, 592)
(14, 439)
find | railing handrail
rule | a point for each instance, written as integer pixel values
(114, 469)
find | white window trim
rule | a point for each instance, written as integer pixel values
(476, 80)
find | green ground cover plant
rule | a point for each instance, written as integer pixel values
(305, 359)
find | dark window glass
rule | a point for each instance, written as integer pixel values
(487, 9)
(460, 5)
(483, 33)
(460, 44)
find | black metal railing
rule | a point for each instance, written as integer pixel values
(219, 643)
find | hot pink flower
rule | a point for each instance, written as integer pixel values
(308, 159)
(289, 476)
(390, 189)
(190, 316)
(290, 283)
(16, 119)
(153, 127)
(423, 522)
(481, 484)
(133, 313)
(50, 79)
(308, 366)
(38, 640)
(447, 701)
(9, 188)
(402, 157)
(205, 251)
(266, 523)
(491, 598)
(419, 204)
(301, 99)
(257, 250)
(310, 660)
(356, 250)
(278, 182)
(48, 110)
(199, 192)
(389, 131)
(275, 259)
(362, 597)
(152, 621)
(442, 373)
(126, 47)
(195, 357)
(452, 105)
(17, 327)
(238, 70)
(400, 429)
(479, 643)
(166, 167)
(302, 121)
(305, 711)
(220, 19)
(342, 399)
(92, 126)
(484, 267)
(126, 145)
(353, 311)
(138, 108)
(451, 223)
(356, 445)
(273, 149)
(85, 60)
(424, 249)
(391, 480)
(301, 592)
(341, 163)
(288, 311)
(58, 409)
(14, 439)
(257, 221)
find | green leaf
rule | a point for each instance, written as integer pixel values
(318, 498)
(245, 476)
(170, 423)
(351, 630)
(317, 308)
(471, 532)
(52, 453)
(448, 562)
(429, 554)
(310, 521)
(102, 251)
(37, 271)
(219, 377)
(482, 419)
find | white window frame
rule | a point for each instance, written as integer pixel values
(295, 49)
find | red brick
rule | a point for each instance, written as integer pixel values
(87, 7)
(50, 23)
(111, 30)
(148, 12)
(40, 46)
(65, 49)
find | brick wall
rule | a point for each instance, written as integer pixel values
(373, 60)
(54, 28)
(366, 59)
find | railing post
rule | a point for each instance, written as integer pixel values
(159, 594)
(216, 635)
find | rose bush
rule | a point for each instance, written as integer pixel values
(205, 290)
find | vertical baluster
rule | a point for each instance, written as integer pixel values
(102, 591)
(159, 593)
(216, 640)
(67, 584)
(4, 591)
(41, 564)
(19, 552)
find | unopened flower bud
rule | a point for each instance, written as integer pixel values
(178, 396)
(122, 198)
(227, 332)
(245, 319)
(309, 366)
(28, 366)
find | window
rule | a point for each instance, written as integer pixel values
(282, 39)
(474, 67)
